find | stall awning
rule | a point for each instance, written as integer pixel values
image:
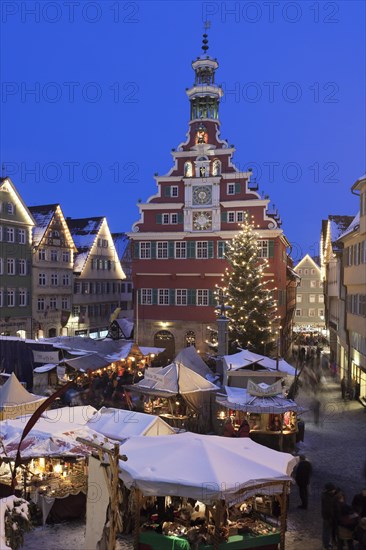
(239, 399)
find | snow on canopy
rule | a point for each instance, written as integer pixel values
(13, 394)
(189, 357)
(120, 424)
(204, 467)
(240, 399)
(172, 380)
(246, 358)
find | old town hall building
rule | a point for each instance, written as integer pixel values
(178, 243)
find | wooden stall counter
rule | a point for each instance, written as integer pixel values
(149, 540)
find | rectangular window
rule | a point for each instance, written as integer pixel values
(231, 188)
(165, 219)
(321, 298)
(54, 256)
(1, 297)
(163, 296)
(85, 288)
(42, 279)
(202, 249)
(174, 191)
(231, 217)
(10, 266)
(22, 297)
(145, 250)
(298, 298)
(221, 249)
(313, 283)
(321, 312)
(162, 250)
(10, 235)
(66, 256)
(298, 313)
(180, 249)
(42, 254)
(306, 271)
(22, 267)
(1, 266)
(263, 249)
(181, 297)
(64, 303)
(22, 236)
(146, 296)
(53, 303)
(311, 312)
(239, 217)
(174, 218)
(54, 279)
(202, 297)
(65, 279)
(312, 298)
(1, 233)
(41, 304)
(11, 297)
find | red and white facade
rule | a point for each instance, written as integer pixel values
(178, 243)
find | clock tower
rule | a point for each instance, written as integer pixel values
(179, 242)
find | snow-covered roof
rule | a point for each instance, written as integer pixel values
(338, 225)
(240, 399)
(352, 227)
(121, 242)
(84, 231)
(245, 358)
(42, 216)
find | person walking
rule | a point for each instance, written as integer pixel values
(328, 512)
(302, 477)
(343, 387)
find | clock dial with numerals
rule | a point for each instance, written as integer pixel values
(202, 194)
(202, 221)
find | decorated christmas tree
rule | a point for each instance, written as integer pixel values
(245, 289)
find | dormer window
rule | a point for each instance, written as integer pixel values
(10, 208)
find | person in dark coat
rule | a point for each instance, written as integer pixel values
(328, 512)
(302, 477)
(359, 503)
(229, 430)
(360, 534)
(244, 429)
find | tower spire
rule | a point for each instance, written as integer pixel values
(206, 26)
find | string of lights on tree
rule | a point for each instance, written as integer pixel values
(247, 293)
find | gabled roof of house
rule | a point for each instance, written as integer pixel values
(338, 225)
(355, 223)
(121, 242)
(43, 215)
(84, 231)
(8, 182)
(309, 259)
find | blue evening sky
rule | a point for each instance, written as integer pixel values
(93, 100)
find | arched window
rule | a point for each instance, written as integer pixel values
(10, 208)
(165, 339)
(190, 339)
(216, 168)
(55, 234)
(188, 172)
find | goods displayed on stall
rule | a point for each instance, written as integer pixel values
(16, 401)
(272, 418)
(235, 471)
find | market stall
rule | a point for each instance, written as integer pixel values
(179, 395)
(272, 418)
(215, 475)
(16, 401)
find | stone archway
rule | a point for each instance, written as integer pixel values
(165, 339)
(52, 333)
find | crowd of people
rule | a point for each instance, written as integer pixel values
(344, 525)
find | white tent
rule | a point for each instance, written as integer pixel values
(204, 467)
(189, 357)
(16, 401)
(171, 380)
(120, 424)
(245, 358)
(239, 399)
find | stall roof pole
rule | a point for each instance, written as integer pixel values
(136, 538)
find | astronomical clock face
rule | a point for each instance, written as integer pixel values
(202, 194)
(202, 221)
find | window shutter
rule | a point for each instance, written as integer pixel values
(237, 188)
(224, 216)
(180, 217)
(159, 218)
(153, 249)
(191, 249)
(211, 298)
(191, 296)
(172, 297)
(171, 245)
(136, 251)
(271, 249)
(210, 249)
(154, 296)
(167, 191)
